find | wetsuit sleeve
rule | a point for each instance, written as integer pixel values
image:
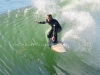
(42, 22)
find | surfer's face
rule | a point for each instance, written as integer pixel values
(49, 18)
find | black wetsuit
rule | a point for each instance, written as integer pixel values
(55, 28)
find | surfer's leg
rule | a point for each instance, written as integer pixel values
(56, 40)
(49, 35)
(57, 31)
(49, 43)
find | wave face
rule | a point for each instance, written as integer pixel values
(23, 44)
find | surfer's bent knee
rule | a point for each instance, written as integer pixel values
(48, 35)
(59, 30)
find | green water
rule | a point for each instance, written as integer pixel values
(23, 46)
(20, 49)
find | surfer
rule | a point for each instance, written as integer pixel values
(55, 27)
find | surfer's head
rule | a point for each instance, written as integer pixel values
(49, 17)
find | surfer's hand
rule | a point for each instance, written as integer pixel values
(53, 38)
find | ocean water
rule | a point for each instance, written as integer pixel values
(23, 43)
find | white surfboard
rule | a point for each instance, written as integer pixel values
(58, 48)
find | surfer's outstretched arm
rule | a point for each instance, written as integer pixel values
(43, 22)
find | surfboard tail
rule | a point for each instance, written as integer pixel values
(58, 47)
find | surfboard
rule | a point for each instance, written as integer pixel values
(58, 48)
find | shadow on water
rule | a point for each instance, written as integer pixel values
(50, 59)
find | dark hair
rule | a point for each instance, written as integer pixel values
(49, 15)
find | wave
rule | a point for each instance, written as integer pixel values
(23, 40)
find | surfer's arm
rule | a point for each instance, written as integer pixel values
(43, 22)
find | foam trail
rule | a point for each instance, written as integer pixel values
(81, 30)
(46, 6)
(83, 25)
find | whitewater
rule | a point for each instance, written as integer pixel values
(23, 43)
